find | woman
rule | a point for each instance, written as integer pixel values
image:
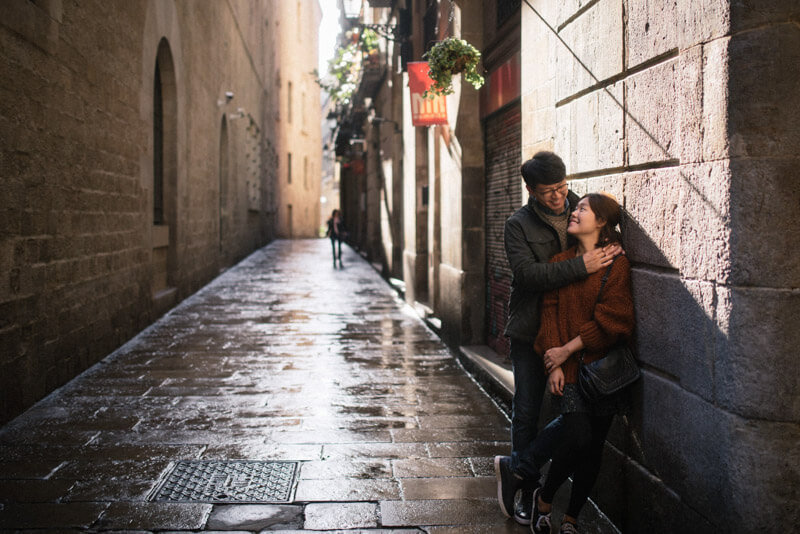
(336, 232)
(575, 321)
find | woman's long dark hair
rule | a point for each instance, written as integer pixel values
(606, 209)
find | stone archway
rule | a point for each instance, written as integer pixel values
(165, 172)
(224, 174)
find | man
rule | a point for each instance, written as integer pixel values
(533, 234)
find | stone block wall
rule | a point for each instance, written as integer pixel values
(292, 88)
(689, 116)
(77, 256)
(463, 222)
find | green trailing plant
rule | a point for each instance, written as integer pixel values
(448, 58)
(368, 40)
(341, 81)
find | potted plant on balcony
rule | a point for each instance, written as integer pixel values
(448, 58)
(357, 52)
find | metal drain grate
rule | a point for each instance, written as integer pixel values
(227, 481)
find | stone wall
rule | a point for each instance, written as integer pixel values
(462, 269)
(689, 116)
(82, 266)
(293, 89)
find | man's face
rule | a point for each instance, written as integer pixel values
(552, 196)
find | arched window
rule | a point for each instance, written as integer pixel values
(223, 181)
(165, 174)
(158, 149)
(164, 136)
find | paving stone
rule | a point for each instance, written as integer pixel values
(448, 488)
(484, 466)
(441, 512)
(431, 467)
(509, 527)
(50, 515)
(255, 517)
(108, 488)
(154, 516)
(29, 470)
(31, 491)
(375, 450)
(366, 469)
(465, 449)
(350, 515)
(345, 489)
(451, 434)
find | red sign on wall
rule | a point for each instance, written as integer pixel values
(424, 111)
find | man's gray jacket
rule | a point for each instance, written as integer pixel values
(530, 242)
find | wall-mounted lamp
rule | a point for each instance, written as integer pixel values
(226, 100)
(352, 8)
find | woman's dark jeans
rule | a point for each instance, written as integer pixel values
(579, 438)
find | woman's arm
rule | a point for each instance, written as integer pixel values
(555, 356)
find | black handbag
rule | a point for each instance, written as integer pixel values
(608, 375)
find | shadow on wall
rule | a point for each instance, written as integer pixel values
(688, 452)
(708, 443)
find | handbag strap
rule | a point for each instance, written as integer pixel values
(602, 285)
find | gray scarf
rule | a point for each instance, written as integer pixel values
(558, 222)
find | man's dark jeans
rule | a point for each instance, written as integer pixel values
(529, 386)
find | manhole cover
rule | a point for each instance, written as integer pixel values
(240, 481)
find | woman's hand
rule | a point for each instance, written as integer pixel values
(556, 381)
(555, 357)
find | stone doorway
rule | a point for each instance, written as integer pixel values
(163, 236)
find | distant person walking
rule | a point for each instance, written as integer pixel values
(336, 231)
(582, 320)
(532, 235)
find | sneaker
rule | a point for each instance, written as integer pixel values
(540, 523)
(524, 506)
(568, 528)
(507, 484)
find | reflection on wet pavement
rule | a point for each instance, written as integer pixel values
(280, 358)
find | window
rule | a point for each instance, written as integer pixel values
(289, 167)
(158, 150)
(289, 103)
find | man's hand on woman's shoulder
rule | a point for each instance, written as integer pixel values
(599, 258)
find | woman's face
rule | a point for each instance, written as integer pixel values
(583, 221)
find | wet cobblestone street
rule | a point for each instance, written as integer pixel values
(284, 358)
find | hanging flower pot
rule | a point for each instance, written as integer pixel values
(448, 58)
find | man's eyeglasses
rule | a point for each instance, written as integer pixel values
(558, 190)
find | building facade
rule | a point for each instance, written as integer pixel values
(297, 119)
(142, 147)
(685, 111)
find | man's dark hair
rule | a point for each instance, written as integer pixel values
(544, 168)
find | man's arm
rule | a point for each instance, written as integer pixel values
(536, 274)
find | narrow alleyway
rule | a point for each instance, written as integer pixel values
(281, 358)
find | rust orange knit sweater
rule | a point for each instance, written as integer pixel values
(567, 313)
